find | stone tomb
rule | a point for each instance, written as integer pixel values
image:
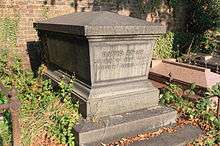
(110, 56)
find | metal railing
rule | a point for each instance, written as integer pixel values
(13, 106)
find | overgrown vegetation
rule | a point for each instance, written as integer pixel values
(51, 113)
(201, 24)
(8, 31)
(45, 111)
(164, 46)
(200, 112)
(139, 8)
(194, 23)
(199, 28)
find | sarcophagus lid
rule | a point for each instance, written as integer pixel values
(99, 23)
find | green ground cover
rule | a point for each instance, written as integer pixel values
(200, 112)
(45, 111)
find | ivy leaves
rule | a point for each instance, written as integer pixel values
(201, 110)
(44, 109)
(164, 46)
(214, 91)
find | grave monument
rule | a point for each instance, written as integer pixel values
(109, 55)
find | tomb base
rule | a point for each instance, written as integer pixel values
(112, 99)
(111, 128)
(111, 112)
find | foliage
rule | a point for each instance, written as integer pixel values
(164, 46)
(64, 122)
(112, 2)
(5, 135)
(201, 109)
(198, 29)
(205, 15)
(63, 129)
(3, 99)
(142, 7)
(200, 25)
(44, 110)
(214, 91)
(3, 61)
(8, 31)
(5, 128)
(138, 7)
(205, 42)
(181, 42)
(145, 5)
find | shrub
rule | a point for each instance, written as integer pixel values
(164, 46)
(44, 110)
(200, 25)
(200, 110)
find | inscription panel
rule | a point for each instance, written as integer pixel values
(121, 61)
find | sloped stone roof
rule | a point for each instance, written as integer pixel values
(99, 23)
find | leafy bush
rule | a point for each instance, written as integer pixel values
(44, 110)
(5, 135)
(5, 127)
(201, 110)
(181, 42)
(205, 15)
(164, 46)
(3, 99)
(200, 25)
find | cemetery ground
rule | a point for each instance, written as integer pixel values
(48, 115)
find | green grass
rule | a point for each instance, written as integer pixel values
(5, 136)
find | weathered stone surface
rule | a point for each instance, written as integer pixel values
(120, 57)
(115, 127)
(183, 73)
(109, 55)
(181, 137)
(99, 23)
(124, 97)
(109, 70)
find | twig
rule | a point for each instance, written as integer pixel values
(190, 46)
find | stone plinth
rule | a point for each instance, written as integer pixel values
(109, 55)
(112, 128)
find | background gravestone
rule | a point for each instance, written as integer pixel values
(109, 55)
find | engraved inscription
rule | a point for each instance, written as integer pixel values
(121, 61)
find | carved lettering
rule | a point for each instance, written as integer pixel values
(121, 61)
